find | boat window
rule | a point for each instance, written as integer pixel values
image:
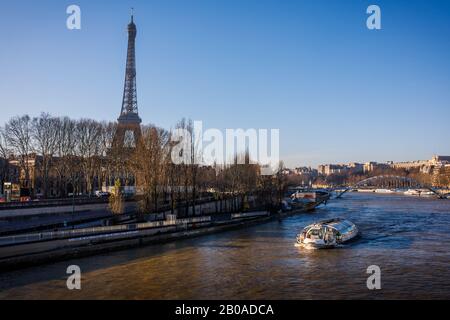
(315, 233)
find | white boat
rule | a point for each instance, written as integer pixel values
(384, 191)
(427, 193)
(327, 234)
(366, 190)
(412, 192)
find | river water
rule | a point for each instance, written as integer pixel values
(407, 237)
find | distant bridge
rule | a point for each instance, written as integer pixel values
(390, 181)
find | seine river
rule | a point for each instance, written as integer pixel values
(407, 237)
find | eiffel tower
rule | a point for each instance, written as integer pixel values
(129, 123)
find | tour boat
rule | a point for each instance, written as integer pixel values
(327, 234)
(306, 200)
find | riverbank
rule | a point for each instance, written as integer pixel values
(36, 248)
(33, 252)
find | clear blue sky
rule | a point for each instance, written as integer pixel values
(337, 91)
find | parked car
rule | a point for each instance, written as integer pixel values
(102, 194)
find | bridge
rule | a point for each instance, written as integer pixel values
(391, 181)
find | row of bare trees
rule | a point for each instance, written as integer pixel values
(180, 186)
(82, 154)
(58, 149)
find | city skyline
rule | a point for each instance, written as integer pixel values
(391, 85)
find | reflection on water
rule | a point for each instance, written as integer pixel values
(409, 238)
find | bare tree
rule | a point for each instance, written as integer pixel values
(88, 133)
(4, 147)
(149, 166)
(188, 169)
(110, 165)
(45, 135)
(18, 132)
(280, 183)
(116, 203)
(66, 166)
(4, 160)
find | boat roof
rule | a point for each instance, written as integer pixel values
(338, 224)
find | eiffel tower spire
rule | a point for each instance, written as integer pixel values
(129, 112)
